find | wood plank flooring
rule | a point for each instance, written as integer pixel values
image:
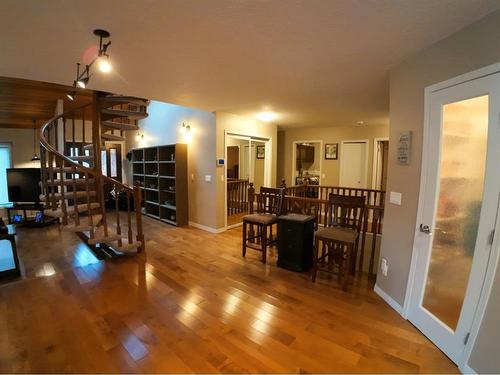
(193, 304)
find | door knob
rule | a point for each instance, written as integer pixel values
(425, 229)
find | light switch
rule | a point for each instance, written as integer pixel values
(395, 198)
(192, 176)
(208, 178)
(222, 177)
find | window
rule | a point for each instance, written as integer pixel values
(112, 160)
(5, 162)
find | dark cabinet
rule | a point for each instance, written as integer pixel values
(295, 244)
(305, 154)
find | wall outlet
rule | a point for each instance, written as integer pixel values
(384, 266)
(208, 178)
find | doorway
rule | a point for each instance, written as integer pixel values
(247, 161)
(354, 164)
(380, 162)
(457, 215)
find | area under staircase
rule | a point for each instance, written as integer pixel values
(104, 212)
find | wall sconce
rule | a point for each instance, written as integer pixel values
(139, 136)
(186, 130)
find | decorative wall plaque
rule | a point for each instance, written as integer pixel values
(404, 148)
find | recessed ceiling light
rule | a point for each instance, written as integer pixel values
(360, 123)
(266, 116)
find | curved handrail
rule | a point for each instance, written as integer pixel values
(78, 167)
(49, 147)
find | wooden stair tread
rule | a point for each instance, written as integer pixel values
(128, 248)
(112, 137)
(108, 113)
(118, 125)
(64, 170)
(101, 238)
(69, 194)
(84, 224)
(69, 181)
(82, 158)
(70, 210)
(117, 99)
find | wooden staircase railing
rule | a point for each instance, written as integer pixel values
(103, 210)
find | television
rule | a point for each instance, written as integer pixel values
(23, 185)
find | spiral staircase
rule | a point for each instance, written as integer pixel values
(104, 212)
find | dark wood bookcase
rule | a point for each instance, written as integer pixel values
(162, 173)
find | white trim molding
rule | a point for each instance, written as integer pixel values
(390, 301)
(206, 228)
(466, 369)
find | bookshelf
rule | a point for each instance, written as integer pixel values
(161, 171)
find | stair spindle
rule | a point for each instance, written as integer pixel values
(75, 203)
(62, 187)
(129, 219)
(117, 209)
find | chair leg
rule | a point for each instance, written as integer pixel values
(315, 259)
(244, 244)
(263, 240)
(347, 268)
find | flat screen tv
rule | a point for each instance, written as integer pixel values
(24, 185)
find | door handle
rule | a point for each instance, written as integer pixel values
(425, 229)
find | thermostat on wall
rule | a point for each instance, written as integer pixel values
(220, 162)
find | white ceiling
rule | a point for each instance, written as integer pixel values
(314, 62)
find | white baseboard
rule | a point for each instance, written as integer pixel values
(206, 228)
(465, 369)
(390, 301)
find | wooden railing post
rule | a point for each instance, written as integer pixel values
(138, 216)
(251, 198)
(96, 133)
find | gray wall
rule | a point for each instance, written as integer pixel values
(471, 48)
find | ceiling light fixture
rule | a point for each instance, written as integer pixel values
(35, 156)
(102, 59)
(71, 95)
(266, 116)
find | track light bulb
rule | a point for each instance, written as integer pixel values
(71, 95)
(82, 83)
(104, 64)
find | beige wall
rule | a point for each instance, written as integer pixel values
(163, 126)
(227, 122)
(22, 146)
(334, 134)
(471, 48)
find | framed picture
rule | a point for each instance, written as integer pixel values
(331, 151)
(261, 152)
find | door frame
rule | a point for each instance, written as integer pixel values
(342, 143)
(374, 161)
(495, 247)
(267, 166)
(294, 159)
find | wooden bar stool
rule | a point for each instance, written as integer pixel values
(269, 206)
(339, 238)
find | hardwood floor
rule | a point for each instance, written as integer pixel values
(193, 304)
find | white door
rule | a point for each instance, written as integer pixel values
(458, 210)
(354, 165)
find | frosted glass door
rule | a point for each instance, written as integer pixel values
(458, 210)
(461, 180)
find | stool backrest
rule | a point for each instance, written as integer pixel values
(345, 211)
(270, 201)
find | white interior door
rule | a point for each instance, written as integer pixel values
(354, 164)
(458, 210)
